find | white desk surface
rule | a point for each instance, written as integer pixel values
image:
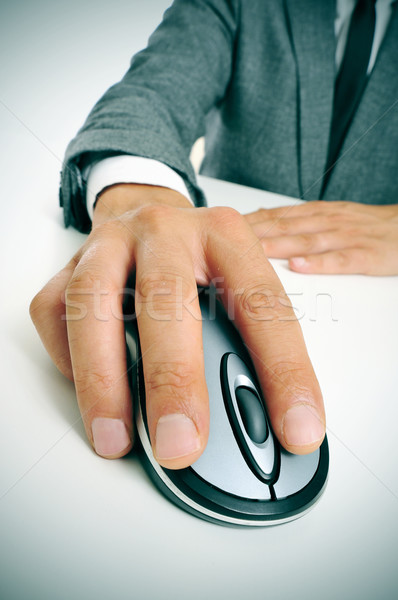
(73, 525)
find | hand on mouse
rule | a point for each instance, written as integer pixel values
(172, 247)
(331, 237)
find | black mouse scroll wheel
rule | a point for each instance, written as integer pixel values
(252, 414)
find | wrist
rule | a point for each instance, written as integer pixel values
(117, 199)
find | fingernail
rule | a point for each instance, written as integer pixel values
(302, 426)
(176, 436)
(110, 436)
(298, 262)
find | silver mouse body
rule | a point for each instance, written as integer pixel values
(244, 477)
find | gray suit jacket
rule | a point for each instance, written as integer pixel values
(256, 78)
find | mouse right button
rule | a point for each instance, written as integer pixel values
(295, 473)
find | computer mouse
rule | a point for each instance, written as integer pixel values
(244, 477)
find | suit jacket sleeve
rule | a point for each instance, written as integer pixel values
(158, 109)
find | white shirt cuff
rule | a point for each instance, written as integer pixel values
(130, 169)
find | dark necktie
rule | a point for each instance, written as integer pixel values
(352, 77)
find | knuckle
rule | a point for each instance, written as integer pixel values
(293, 374)
(88, 293)
(112, 237)
(262, 213)
(342, 259)
(164, 293)
(262, 303)
(86, 279)
(171, 378)
(41, 304)
(108, 230)
(36, 305)
(162, 282)
(282, 226)
(154, 217)
(92, 381)
(307, 242)
(225, 217)
(286, 368)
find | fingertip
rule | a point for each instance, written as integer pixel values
(180, 463)
(110, 437)
(303, 429)
(178, 442)
(299, 264)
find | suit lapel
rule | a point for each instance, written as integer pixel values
(313, 40)
(378, 104)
